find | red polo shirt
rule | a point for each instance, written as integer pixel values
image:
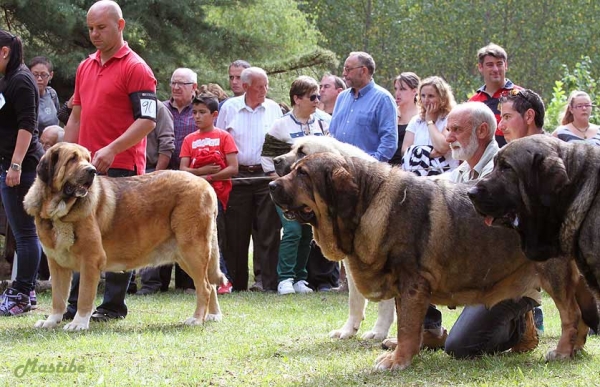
(492, 102)
(103, 92)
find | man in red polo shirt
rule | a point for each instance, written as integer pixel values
(492, 65)
(114, 108)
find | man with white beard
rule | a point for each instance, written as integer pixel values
(470, 133)
(509, 324)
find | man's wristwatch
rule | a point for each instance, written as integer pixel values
(430, 122)
(15, 167)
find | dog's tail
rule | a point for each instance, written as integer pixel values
(215, 276)
(587, 305)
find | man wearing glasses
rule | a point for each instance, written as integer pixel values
(184, 83)
(522, 114)
(365, 113)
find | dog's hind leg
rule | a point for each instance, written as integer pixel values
(356, 312)
(61, 283)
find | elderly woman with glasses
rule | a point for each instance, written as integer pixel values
(576, 124)
(42, 71)
(299, 122)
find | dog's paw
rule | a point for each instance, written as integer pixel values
(387, 361)
(73, 326)
(342, 333)
(557, 356)
(374, 335)
(389, 344)
(214, 317)
(192, 321)
(46, 324)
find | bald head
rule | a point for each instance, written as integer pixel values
(51, 135)
(107, 6)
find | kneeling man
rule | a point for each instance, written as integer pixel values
(508, 324)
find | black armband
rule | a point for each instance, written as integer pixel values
(143, 104)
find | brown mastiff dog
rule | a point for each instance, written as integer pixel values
(420, 241)
(92, 224)
(549, 191)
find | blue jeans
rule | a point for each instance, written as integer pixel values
(22, 225)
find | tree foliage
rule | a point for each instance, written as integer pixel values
(432, 37)
(205, 35)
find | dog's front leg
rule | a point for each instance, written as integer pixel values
(356, 311)
(91, 257)
(411, 308)
(61, 283)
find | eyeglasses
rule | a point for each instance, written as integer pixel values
(315, 97)
(348, 69)
(581, 107)
(41, 75)
(181, 84)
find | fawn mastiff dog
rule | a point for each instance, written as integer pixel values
(549, 191)
(420, 241)
(90, 223)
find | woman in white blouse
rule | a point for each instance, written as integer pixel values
(425, 150)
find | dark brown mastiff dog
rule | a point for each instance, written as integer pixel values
(420, 241)
(548, 190)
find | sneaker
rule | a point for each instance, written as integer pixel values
(14, 303)
(225, 289)
(286, 287)
(33, 300)
(530, 338)
(302, 287)
(324, 288)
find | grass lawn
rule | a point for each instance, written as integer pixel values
(263, 340)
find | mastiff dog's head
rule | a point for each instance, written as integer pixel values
(321, 190)
(64, 174)
(529, 190)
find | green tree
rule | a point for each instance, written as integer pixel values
(434, 37)
(205, 35)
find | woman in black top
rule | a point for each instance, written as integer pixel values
(20, 152)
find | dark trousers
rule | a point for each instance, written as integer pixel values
(22, 225)
(156, 278)
(116, 283)
(159, 278)
(321, 271)
(480, 331)
(250, 212)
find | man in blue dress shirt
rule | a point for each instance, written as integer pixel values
(365, 113)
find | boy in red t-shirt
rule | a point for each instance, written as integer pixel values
(210, 153)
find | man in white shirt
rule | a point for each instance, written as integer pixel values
(250, 211)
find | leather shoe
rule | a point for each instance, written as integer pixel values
(105, 317)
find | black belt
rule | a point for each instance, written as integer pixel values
(250, 168)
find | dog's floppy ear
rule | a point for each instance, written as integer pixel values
(341, 192)
(45, 168)
(549, 176)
